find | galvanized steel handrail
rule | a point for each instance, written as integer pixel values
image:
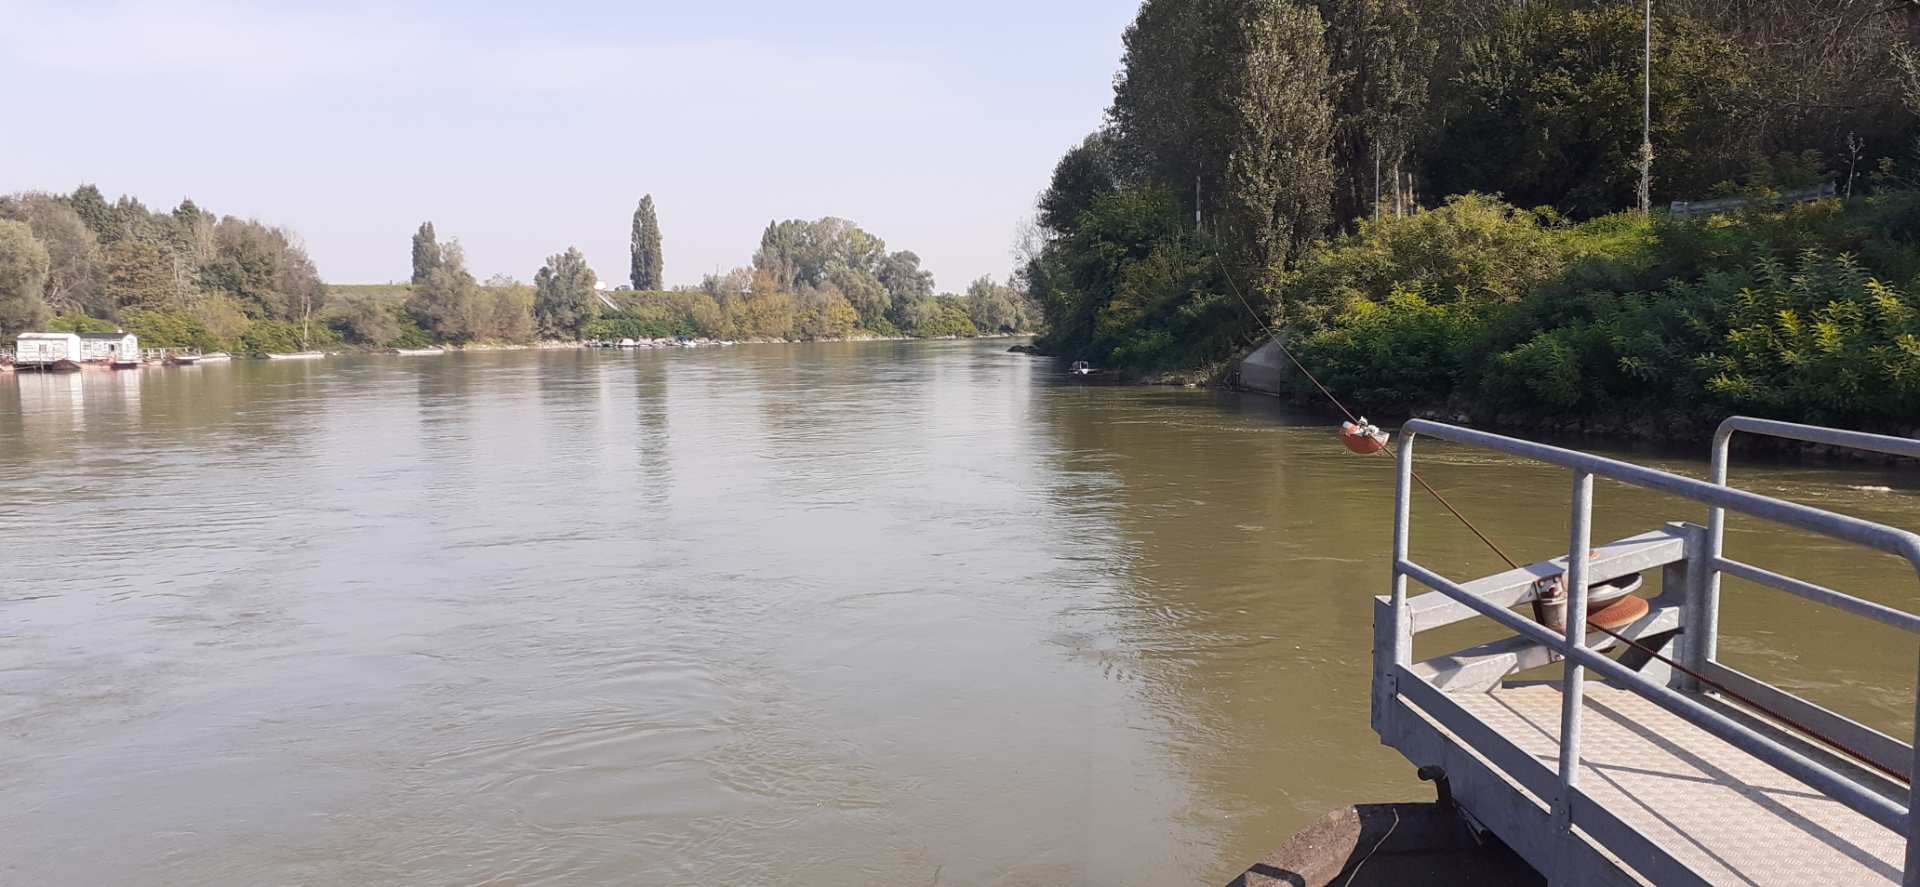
(1833, 437)
(1572, 644)
(1879, 537)
(1839, 600)
(1706, 648)
(1814, 774)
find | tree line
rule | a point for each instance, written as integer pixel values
(187, 278)
(821, 279)
(78, 262)
(445, 304)
(1256, 153)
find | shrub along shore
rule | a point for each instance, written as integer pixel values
(1648, 327)
(1624, 325)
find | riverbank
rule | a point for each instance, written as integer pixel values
(1667, 432)
(1663, 432)
(1622, 327)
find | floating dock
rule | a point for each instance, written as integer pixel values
(1667, 767)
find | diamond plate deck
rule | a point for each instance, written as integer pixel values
(1725, 814)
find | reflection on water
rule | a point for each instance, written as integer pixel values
(839, 613)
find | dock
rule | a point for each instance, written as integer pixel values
(1644, 759)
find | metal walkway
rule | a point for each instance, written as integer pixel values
(1661, 780)
(1722, 812)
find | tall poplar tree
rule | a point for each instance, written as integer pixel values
(426, 253)
(648, 270)
(1280, 178)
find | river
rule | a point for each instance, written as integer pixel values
(830, 614)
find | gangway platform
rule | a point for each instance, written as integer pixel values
(1671, 767)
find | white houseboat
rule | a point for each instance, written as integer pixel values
(48, 351)
(117, 348)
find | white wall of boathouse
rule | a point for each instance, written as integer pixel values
(36, 348)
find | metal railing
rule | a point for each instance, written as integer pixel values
(1572, 643)
(1707, 619)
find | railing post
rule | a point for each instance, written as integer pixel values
(1573, 688)
(1704, 594)
(1402, 511)
(1687, 580)
(1393, 640)
(1912, 876)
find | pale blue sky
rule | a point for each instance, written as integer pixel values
(521, 131)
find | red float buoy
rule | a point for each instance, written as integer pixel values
(1362, 437)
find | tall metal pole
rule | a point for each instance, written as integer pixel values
(1646, 117)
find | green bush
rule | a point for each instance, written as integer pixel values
(944, 316)
(1547, 368)
(76, 322)
(1697, 316)
(281, 336)
(1135, 287)
(1817, 341)
(410, 334)
(619, 326)
(1397, 354)
(1474, 248)
(1821, 341)
(169, 329)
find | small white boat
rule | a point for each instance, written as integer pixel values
(1080, 368)
(296, 355)
(419, 352)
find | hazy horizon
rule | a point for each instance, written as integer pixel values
(523, 132)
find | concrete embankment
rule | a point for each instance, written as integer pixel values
(1265, 370)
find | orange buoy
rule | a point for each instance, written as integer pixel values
(1363, 438)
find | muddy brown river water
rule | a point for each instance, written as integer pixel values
(839, 614)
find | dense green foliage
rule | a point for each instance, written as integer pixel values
(648, 271)
(80, 323)
(184, 274)
(999, 308)
(1672, 323)
(189, 279)
(829, 279)
(23, 277)
(446, 301)
(1284, 165)
(1133, 285)
(812, 313)
(563, 296)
